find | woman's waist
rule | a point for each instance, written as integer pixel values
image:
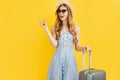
(65, 46)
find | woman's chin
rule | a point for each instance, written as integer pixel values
(62, 19)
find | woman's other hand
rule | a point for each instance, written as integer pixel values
(88, 49)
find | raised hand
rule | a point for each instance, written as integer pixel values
(43, 24)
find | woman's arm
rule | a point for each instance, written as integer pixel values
(78, 46)
(52, 39)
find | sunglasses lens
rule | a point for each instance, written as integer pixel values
(58, 11)
(63, 11)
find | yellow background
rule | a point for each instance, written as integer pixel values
(25, 50)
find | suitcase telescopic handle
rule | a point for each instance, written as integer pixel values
(90, 59)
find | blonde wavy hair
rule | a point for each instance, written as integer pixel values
(71, 26)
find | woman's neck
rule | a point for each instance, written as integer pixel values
(65, 25)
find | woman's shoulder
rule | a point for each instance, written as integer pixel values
(77, 28)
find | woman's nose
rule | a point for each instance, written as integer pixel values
(60, 13)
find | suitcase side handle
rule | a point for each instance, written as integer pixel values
(90, 59)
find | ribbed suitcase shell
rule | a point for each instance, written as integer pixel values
(92, 74)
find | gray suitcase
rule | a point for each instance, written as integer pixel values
(91, 73)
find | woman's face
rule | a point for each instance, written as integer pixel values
(62, 13)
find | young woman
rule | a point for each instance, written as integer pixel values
(64, 36)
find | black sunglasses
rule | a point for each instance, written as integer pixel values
(63, 11)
